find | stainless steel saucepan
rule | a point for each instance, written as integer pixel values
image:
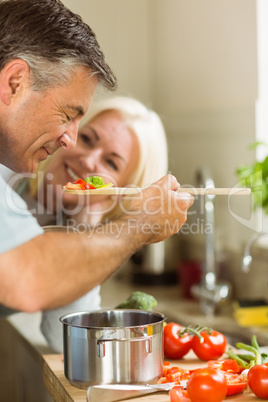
(113, 347)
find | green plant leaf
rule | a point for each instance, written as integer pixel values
(255, 176)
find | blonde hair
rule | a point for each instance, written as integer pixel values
(149, 130)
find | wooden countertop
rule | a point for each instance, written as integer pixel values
(61, 390)
(56, 382)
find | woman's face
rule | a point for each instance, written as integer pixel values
(105, 147)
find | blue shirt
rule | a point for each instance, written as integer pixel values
(17, 225)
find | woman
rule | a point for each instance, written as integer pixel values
(119, 140)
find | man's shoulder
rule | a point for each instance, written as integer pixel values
(5, 172)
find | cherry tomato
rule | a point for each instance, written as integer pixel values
(207, 385)
(235, 385)
(178, 394)
(229, 365)
(258, 380)
(212, 347)
(176, 346)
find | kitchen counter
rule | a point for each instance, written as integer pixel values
(61, 390)
(27, 343)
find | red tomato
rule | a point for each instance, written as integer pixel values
(212, 347)
(234, 384)
(79, 181)
(229, 365)
(177, 374)
(258, 380)
(177, 394)
(84, 184)
(165, 368)
(207, 385)
(175, 346)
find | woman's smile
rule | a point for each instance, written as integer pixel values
(72, 174)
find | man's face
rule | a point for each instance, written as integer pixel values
(40, 122)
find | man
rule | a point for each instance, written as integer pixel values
(50, 66)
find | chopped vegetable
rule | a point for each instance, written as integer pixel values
(106, 185)
(84, 183)
(174, 374)
(79, 185)
(95, 181)
(89, 183)
(73, 186)
(246, 361)
(139, 300)
(178, 394)
(235, 383)
(228, 365)
(177, 374)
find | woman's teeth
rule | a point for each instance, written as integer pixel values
(72, 174)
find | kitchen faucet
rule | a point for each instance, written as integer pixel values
(209, 291)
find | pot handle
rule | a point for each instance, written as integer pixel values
(144, 337)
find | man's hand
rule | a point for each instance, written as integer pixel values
(158, 211)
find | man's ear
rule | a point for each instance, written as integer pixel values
(13, 78)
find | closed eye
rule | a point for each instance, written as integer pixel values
(86, 140)
(112, 164)
(68, 118)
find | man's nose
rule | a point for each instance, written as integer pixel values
(68, 139)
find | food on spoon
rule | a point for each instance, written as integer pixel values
(138, 300)
(89, 183)
(95, 181)
(78, 185)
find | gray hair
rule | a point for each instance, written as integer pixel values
(52, 40)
